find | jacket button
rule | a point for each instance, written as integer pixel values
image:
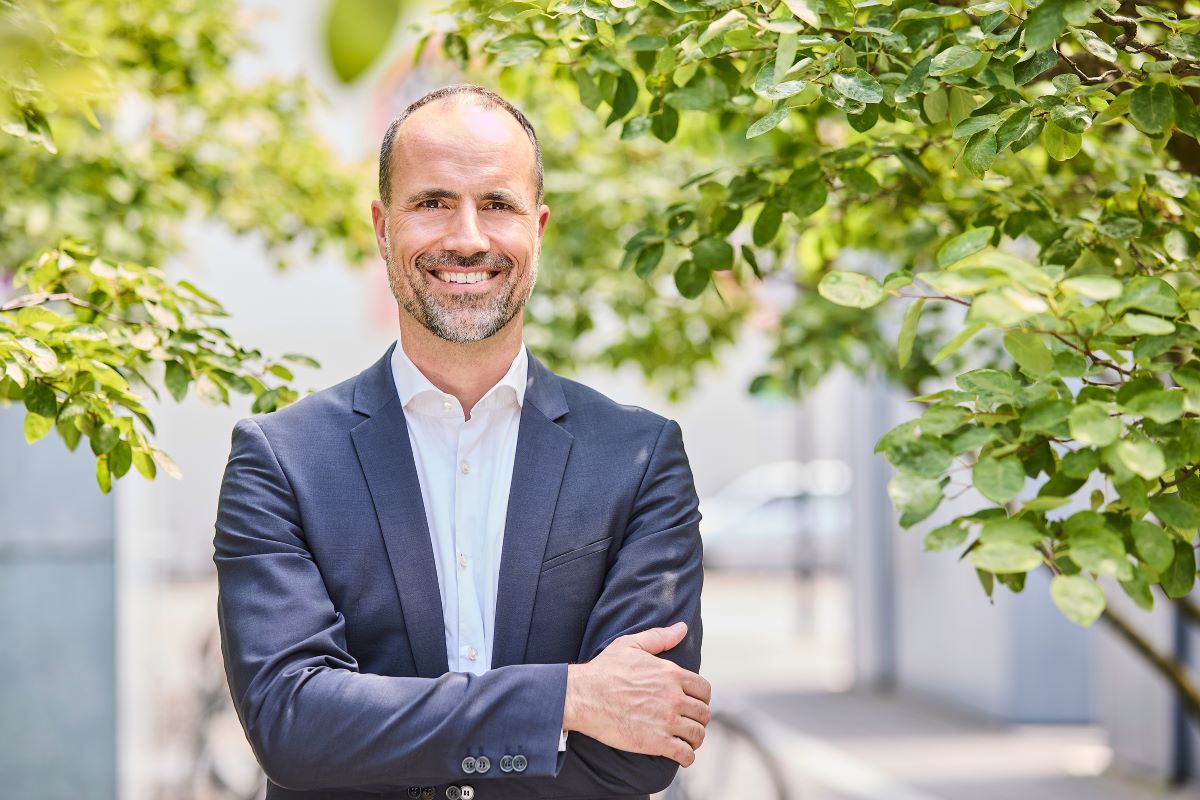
(427, 793)
(483, 764)
(414, 791)
(469, 765)
(453, 793)
(506, 762)
(519, 763)
(468, 793)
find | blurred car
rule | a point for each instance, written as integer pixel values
(786, 515)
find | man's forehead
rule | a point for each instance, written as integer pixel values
(462, 120)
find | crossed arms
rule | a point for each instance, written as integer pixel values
(315, 721)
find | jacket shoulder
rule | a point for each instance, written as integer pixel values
(592, 409)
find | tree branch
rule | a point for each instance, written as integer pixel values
(1163, 664)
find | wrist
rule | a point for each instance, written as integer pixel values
(571, 704)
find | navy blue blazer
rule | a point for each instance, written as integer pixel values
(330, 614)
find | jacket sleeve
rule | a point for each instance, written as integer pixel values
(655, 581)
(313, 719)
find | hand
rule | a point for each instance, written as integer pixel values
(629, 698)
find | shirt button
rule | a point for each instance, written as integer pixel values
(472, 654)
(462, 560)
(465, 467)
(447, 406)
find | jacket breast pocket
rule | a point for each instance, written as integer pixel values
(571, 556)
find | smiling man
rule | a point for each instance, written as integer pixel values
(458, 574)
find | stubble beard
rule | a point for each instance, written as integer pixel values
(459, 317)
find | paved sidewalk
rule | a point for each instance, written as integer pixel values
(860, 746)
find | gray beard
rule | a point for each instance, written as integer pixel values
(458, 317)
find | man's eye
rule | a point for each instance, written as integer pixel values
(433, 202)
(498, 206)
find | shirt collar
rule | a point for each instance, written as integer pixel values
(417, 392)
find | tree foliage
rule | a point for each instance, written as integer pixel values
(994, 203)
(119, 122)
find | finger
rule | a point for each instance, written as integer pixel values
(694, 709)
(695, 686)
(656, 640)
(690, 731)
(678, 751)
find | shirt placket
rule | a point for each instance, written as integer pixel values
(468, 515)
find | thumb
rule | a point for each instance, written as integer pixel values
(656, 640)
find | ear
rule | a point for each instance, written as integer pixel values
(543, 215)
(379, 222)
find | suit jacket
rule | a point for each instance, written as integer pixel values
(330, 614)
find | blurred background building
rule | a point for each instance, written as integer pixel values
(870, 668)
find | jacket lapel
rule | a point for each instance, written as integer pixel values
(385, 454)
(541, 459)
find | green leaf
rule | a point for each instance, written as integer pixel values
(767, 224)
(979, 152)
(356, 33)
(1100, 551)
(785, 56)
(858, 85)
(1005, 529)
(1175, 511)
(1160, 405)
(961, 338)
(40, 399)
(37, 426)
(1091, 425)
(690, 279)
(1078, 597)
(1061, 145)
(1030, 352)
(1045, 24)
(1072, 117)
(646, 42)
(624, 97)
(176, 379)
(953, 60)
(908, 332)
(767, 123)
(120, 459)
(1138, 590)
(963, 245)
(927, 457)
(1143, 457)
(712, 253)
(1146, 293)
(1080, 463)
(719, 27)
(103, 475)
(1152, 107)
(1005, 558)
(1151, 326)
(1153, 545)
(1093, 287)
(648, 259)
(914, 496)
(851, 289)
(1180, 577)
(946, 537)
(999, 480)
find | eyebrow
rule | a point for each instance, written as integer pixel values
(496, 195)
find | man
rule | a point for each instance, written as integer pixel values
(458, 574)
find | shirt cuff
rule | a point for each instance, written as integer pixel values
(562, 742)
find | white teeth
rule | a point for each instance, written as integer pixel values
(463, 277)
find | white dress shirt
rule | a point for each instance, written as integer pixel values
(465, 470)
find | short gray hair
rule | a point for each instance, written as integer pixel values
(485, 98)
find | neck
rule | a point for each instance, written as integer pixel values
(463, 369)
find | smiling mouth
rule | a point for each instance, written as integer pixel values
(463, 277)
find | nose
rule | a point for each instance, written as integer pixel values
(465, 235)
